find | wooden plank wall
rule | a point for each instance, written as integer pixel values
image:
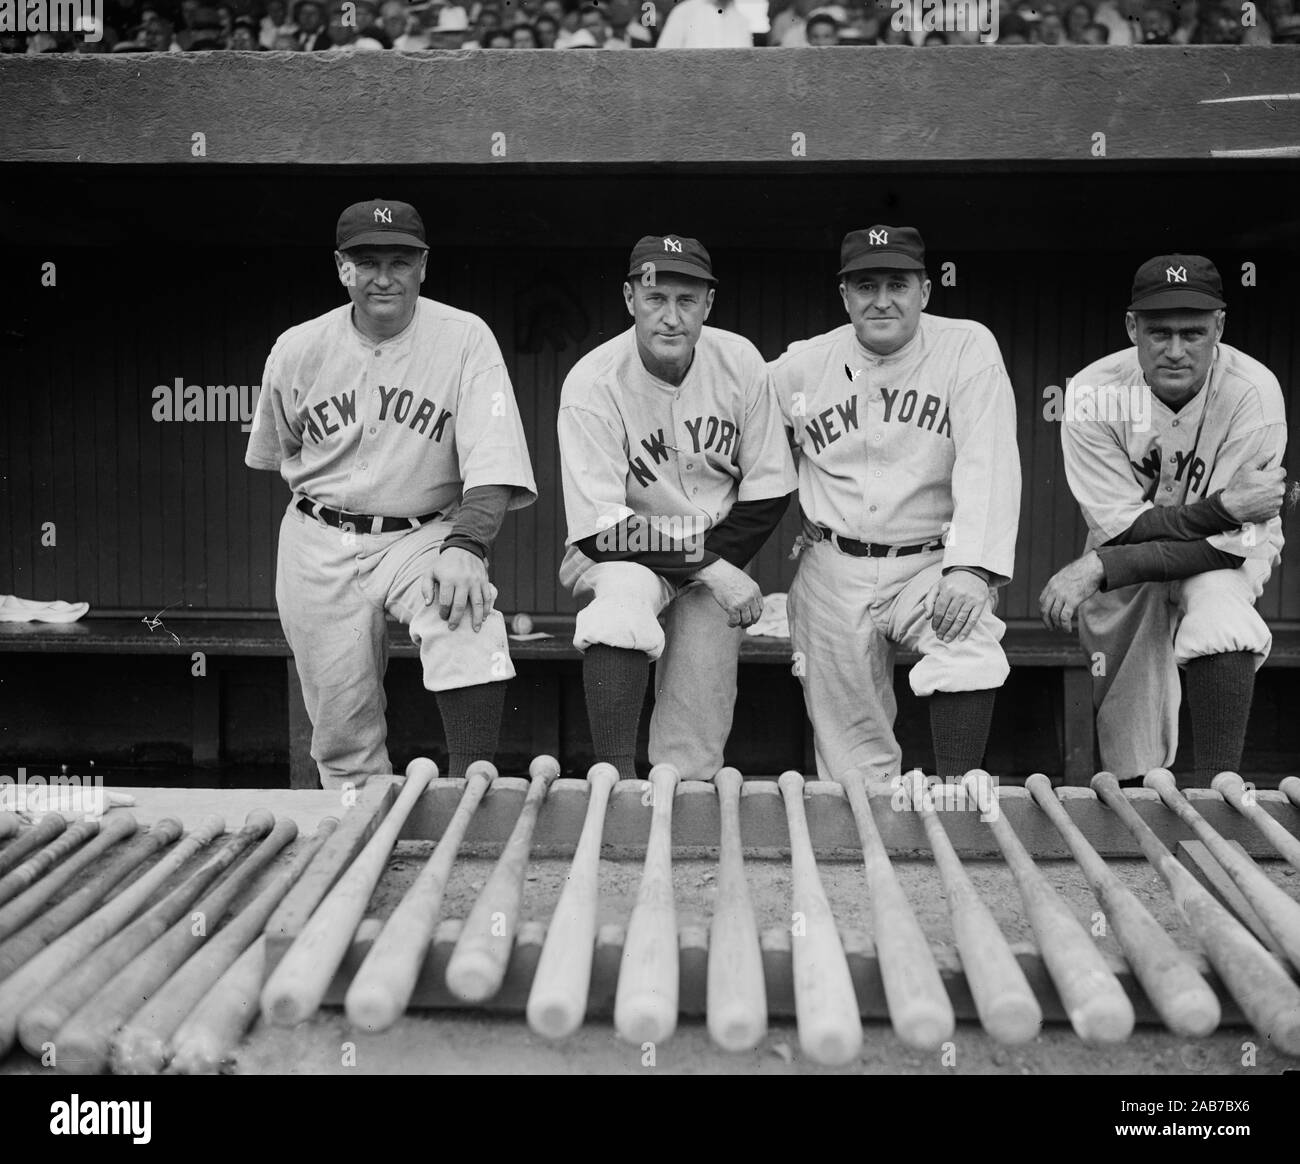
(150, 515)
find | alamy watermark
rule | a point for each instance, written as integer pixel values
(219, 403)
(979, 16)
(1105, 403)
(84, 17)
(675, 532)
(64, 793)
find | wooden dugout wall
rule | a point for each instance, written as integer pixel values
(171, 263)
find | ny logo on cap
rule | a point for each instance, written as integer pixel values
(671, 244)
(1175, 274)
(878, 238)
(383, 214)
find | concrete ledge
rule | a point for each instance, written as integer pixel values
(701, 108)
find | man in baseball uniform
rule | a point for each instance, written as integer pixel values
(394, 423)
(1173, 451)
(676, 470)
(909, 486)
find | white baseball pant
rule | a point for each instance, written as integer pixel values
(697, 654)
(335, 591)
(1138, 637)
(848, 616)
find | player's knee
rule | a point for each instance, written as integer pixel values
(1205, 631)
(619, 622)
(956, 667)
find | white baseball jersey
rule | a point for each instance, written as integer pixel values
(679, 456)
(905, 448)
(399, 427)
(1126, 451)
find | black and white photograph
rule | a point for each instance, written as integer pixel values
(770, 553)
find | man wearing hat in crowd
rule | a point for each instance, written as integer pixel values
(393, 421)
(1173, 450)
(904, 427)
(676, 470)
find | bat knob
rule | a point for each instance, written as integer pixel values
(422, 767)
(543, 768)
(978, 785)
(1227, 784)
(1160, 779)
(790, 782)
(665, 775)
(603, 774)
(728, 780)
(913, 785)
(1038, 781)
(484, 769)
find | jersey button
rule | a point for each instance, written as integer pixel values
(373, 430)
(877, 472)
(378, 352)
(878, 436)
(1175, 424)
(690, 464)
(872, 508)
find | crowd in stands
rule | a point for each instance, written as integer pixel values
(357, 25)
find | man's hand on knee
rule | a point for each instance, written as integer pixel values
(733, 590)
(1068, 589)
(456, 580)
(1255, 492)
(955, 605)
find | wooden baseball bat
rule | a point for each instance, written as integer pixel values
(1263, 989)
(85, 1039)
(41, 833)
(1003, 997)
(27, 942)
(825, 1003)
(24, 876)
(140, 1047)
(1289, 786)
(42, 1018)
(736, 1006)
(1176, 988)
(645, 1001)
(66, 952)
(478, 963)
(557, 1001)
(1280, 913)
(386, 979)
(27, 904)
(209, 1036)
(1231, 787)
(294, 991)
(919, 1007)
(206, 1038)
(1099, 1010)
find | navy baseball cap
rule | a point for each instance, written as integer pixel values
(1171, 281)
(380, 223)
(672, 253)
(890, 248)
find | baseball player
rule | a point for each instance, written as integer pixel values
(909, 485)
(394, 423)
(1172, 450)
(675, 470)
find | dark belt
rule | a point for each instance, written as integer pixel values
(858, 549)
(364, 523)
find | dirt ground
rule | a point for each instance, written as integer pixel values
(473, 1043)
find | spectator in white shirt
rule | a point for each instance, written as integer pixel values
(703, 24)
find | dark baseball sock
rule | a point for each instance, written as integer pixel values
(471, 717)
(959, 729)
(615, 681)
(1219, 691)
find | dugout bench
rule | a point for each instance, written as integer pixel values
(1026, 645)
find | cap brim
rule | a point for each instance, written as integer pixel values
(1171, 300)
(674, 267)
(883, 261)
(383, 238)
